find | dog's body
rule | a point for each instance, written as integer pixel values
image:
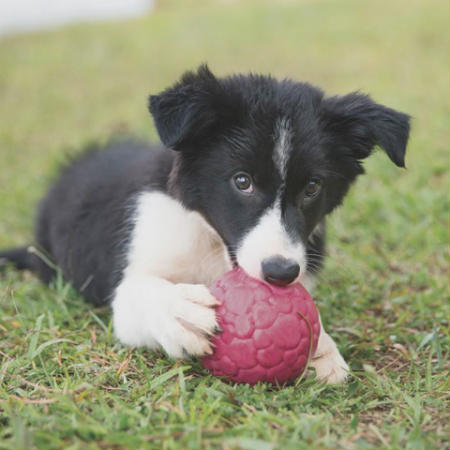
(249, 169)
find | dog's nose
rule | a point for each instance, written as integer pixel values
(280, 271)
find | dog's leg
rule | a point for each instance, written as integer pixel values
(328, 362)
(153, 312)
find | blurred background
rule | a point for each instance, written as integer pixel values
(31, 15)
(72, 72)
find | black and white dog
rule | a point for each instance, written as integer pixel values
(249, 169)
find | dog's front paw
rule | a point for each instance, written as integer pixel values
(330, 367)
(155, 313)
(190, 322)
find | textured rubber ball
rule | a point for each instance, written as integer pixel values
(269, 332)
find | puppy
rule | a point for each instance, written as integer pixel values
(249, 169)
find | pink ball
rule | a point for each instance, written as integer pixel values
(264, 337)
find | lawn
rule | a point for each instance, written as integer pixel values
(64, 380)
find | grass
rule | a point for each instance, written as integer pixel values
(64, 380)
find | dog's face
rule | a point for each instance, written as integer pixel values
(265, 161)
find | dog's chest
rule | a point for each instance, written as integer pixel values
(171, 242)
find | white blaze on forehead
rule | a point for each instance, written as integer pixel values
(283, 139)
(269, 238)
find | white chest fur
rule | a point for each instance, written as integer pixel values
(173, 243)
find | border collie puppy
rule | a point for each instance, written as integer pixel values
(248, 171)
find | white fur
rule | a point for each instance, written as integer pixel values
(269, 238)
(282, 148)
(327, 361)
(162, 300)
(174, 243)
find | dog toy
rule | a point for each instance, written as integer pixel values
(269, 333)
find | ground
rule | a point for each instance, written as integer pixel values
(64, 380)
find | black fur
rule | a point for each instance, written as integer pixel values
(21, 258)
(212, 128)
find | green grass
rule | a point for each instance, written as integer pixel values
(64, 380)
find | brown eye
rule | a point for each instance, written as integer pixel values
(243, 182)
(312, 188)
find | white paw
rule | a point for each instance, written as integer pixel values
(197, 293)
(330, 367)
(192, 320)
(154, 313)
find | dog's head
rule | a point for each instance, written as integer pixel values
(264, 160)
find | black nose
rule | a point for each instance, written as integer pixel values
(280, 271)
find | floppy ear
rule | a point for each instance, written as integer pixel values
(185, 111)
(357, 124)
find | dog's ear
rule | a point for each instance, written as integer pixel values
(357, 124)
(186, 111)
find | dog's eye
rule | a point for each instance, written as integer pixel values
(313, 188)
(243, 182)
